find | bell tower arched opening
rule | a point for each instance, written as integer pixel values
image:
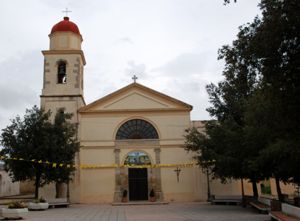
(61, 72)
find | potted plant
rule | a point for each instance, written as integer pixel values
(297, 195)
(15, 210)
(152, 196)
(124, 196)
(38, 204)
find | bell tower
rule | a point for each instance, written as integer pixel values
(63, 70)
(63, 86)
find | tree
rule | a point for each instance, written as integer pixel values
(276, 45)
(27, 139)
(257, 105)
(35, 138)
(65, 144)
(224, 142)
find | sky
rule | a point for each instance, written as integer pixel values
(170, 45)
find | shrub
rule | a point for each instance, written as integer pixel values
(16, 205)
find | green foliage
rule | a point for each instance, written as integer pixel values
(35, 137)
(64, 146)
(228, 1)
(257, 105)
(17, 205)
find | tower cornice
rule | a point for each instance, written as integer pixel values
(55, 52)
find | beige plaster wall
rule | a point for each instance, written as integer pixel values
(65, 41)
(7, 187)
(232, 187)
(286, 188)
(97, 185)
(70, 105)
(97, 156)
(137, 101)
(184, 190)
(27, 187)
(103, 127)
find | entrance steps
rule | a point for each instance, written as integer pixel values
(136, 203)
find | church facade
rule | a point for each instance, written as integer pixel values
(134, 125)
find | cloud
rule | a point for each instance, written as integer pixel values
(125, 40)
(190, 63)
(185, 77)
(12, 98)
(21, 83)
(136, 69)
(187, 64)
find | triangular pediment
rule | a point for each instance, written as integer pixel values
(136, 97)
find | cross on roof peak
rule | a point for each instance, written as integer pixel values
(134, 78)
(66, 11)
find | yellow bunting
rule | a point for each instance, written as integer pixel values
(106, 166)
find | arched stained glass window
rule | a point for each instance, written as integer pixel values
(136, 129)
(137, 158)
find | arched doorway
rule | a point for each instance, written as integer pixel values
(137, 181)
(137, 177)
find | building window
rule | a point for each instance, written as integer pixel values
(61, 72)
(61, 110)
(136, 129)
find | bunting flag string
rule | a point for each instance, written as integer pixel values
(51, 164)
(100, 166)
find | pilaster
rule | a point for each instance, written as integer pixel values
(158, 189)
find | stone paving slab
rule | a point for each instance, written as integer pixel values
(169, 212)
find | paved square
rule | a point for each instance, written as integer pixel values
(170, 212)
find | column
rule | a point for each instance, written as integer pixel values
(158, 190)
(117, 194)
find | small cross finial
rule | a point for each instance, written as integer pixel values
(66, 11)
(134, 78)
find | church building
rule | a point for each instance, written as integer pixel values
(134, 125)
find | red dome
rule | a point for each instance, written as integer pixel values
(65, 25)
